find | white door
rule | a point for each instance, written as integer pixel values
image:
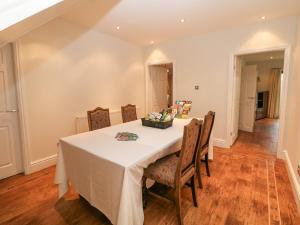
(10, 150)
(236, 99)
(158, 88)
(248, 98)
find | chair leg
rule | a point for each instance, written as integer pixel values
(178, 205)
(144, 192)
(206, 164)
(198, 171)
(193, 186)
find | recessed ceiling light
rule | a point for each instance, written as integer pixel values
(263, 17)
(151, 42)
(271, 57)
(118, 28)
(182, 20)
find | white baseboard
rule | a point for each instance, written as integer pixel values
(281, 154)
(221, 143)
(42, 163)
(292, 174)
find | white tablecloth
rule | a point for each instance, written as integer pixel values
(108, 173)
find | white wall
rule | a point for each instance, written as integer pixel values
(293, 119)
(204, 61)
(67, 70)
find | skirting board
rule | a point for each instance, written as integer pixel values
(42, 163)
(293, 177)
(220, 143)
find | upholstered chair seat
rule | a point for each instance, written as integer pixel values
(163, 170)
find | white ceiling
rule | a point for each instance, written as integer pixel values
(142, 21)
(18, 17)
(14, 11)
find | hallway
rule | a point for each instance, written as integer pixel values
(264, 138)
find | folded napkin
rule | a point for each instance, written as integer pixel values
(126, 136)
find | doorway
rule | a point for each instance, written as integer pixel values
(160, 94)
(10, 144)
(257, 93)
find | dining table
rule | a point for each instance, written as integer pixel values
(108, 173)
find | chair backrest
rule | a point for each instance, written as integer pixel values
(208, 124)
(98, 118)
(128, 113)
(189, 144)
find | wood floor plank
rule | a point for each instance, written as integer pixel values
(288, 208)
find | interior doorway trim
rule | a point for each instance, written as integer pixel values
(147, 82)
(283, 94)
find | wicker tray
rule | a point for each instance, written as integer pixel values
(156, 124)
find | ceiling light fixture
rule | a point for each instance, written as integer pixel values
(151, 42)
(182, 20)
(118, 28)
(263, 17)
(271, 57)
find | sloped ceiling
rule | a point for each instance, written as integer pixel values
(18, 17)
(14, 11)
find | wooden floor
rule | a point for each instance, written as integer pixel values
(248, 186)
(265, 135)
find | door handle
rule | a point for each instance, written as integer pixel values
(11, 110)
(251, 97)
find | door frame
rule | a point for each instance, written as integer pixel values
(147, 82)
(21, 118)
(21, 112)
(283, 94)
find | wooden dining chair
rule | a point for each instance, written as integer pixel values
(203, 145)
(98, 118)
(174, 171)
(128, 113)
